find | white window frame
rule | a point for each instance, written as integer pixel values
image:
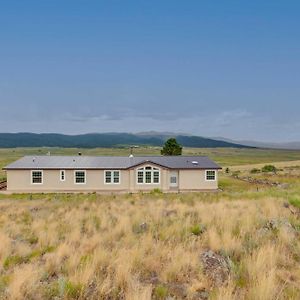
(31, 179)
(84, 171)
(60, 175)
(153, 169)
(112, 176)
(206, 171)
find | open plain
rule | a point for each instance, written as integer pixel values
(240, 243)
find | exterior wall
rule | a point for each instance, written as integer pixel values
(20, 181)
(196, 180)
(162, 185)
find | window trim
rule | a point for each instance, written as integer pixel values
(60, 175)
(112, 177)
(84, 177)
(143, 169)
(206, 171)
(31, 179)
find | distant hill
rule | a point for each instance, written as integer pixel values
(93, 140)
(287, 145)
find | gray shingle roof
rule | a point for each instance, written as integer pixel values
(111, 162)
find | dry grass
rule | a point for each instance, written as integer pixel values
(94, 247)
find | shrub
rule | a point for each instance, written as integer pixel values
(160, 292)
(269, 168)
(4, 281)
(156, 191)
(255, 171)
(227, 170)
(13, 260)
(73, 290)
(197, 229)
(295, 202)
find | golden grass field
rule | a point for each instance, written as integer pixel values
(150, 246)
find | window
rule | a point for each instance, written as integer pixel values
(140, 177)
(116, 177)
(80, 177)
(155, 176)
(210, 175)
(148, 175)
(173, 179)
(107, 176)
(36, 177)
(112, 177)
(62, 175)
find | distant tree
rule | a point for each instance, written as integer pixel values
(171, 147)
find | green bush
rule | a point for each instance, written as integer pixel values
(269, 168)
(4, 281)
(156, 191)
(295, 202)
(160, 292)
(13, 260)
(255, 171)
(197, 229)
(73, 290)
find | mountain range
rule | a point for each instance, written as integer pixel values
(93, 140)
(151, 138)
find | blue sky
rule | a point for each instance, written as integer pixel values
(211, 68)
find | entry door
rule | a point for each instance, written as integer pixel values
(174, 179)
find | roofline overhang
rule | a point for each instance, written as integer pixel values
(109, 168)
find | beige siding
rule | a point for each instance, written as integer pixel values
(196, 180)
(162, 185)
(20, 181)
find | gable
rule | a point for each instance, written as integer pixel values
(147, 163)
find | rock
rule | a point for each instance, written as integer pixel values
(216, 267)
(283, 186)
(275, 225)
(177, 290)
(200, 295)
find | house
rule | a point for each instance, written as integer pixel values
(111, 174)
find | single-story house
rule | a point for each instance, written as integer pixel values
(111, 174)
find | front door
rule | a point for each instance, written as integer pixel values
(174, 179)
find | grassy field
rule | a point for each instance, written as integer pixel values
(240, 243)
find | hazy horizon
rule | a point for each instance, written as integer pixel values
(213, 69)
